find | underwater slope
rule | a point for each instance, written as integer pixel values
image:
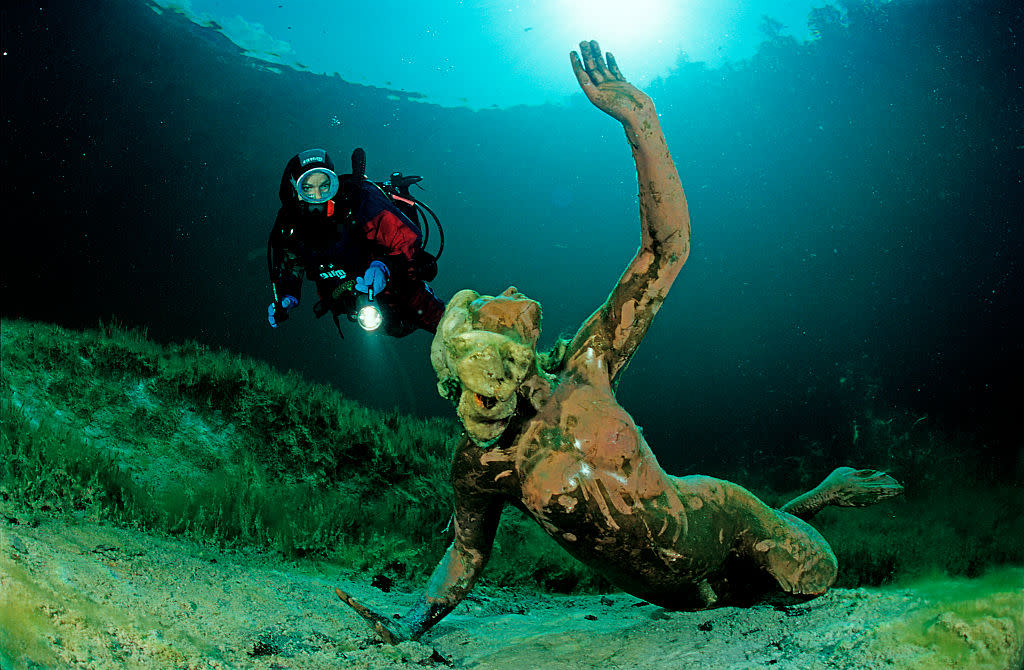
(108, 425)
(221, 449)
(173, 506)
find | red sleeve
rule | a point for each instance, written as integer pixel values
(388, 232)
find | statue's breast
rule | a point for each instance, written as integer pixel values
(582, 456)
(593, 425)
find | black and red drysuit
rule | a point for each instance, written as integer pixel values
(333, 244)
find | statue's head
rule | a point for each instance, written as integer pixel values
(484, 352)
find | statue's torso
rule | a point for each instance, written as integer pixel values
(582, 469)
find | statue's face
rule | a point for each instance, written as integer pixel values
(485, 348)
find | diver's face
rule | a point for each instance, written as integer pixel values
(314, 187)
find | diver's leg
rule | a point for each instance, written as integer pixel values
(845, 487)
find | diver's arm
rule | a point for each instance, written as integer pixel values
(289, 275)
(394, 236)
(394, 242)
(617, 327)
(285, 267)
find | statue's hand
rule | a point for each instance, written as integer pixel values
(604, 85)
(389, 630)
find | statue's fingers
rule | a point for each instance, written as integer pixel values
(602, 69)
(591, 61)
(583, 77)
(613, 67)
(879, 478)
(577, 68)
(360, 608)
(587, 54)
(377, 621)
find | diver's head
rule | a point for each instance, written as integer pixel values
(309, 180)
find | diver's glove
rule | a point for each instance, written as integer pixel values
(375, 278)
(277, 312)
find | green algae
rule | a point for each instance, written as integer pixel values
(962, 623)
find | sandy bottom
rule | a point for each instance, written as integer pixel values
(94, 596)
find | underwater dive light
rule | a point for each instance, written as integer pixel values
(368, 314)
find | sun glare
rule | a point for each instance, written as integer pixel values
(645, 35)
(632, 25)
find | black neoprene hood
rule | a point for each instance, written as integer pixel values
(298, 165)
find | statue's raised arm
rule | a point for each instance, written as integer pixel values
(616, 328)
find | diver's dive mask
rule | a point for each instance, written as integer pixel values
(316, 186)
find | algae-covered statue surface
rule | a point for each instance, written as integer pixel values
(560, 447)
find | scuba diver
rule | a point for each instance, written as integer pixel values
(359, 241)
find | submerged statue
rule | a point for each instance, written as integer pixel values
(559, 446)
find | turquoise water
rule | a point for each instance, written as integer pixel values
(853, 181)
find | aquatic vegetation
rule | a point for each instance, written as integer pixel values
(54, 471)
(966, 623)
(213, 446)
(21, 622)
(180, 439)
(962, 511)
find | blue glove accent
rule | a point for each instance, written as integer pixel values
(279, 313)
(376, 278)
